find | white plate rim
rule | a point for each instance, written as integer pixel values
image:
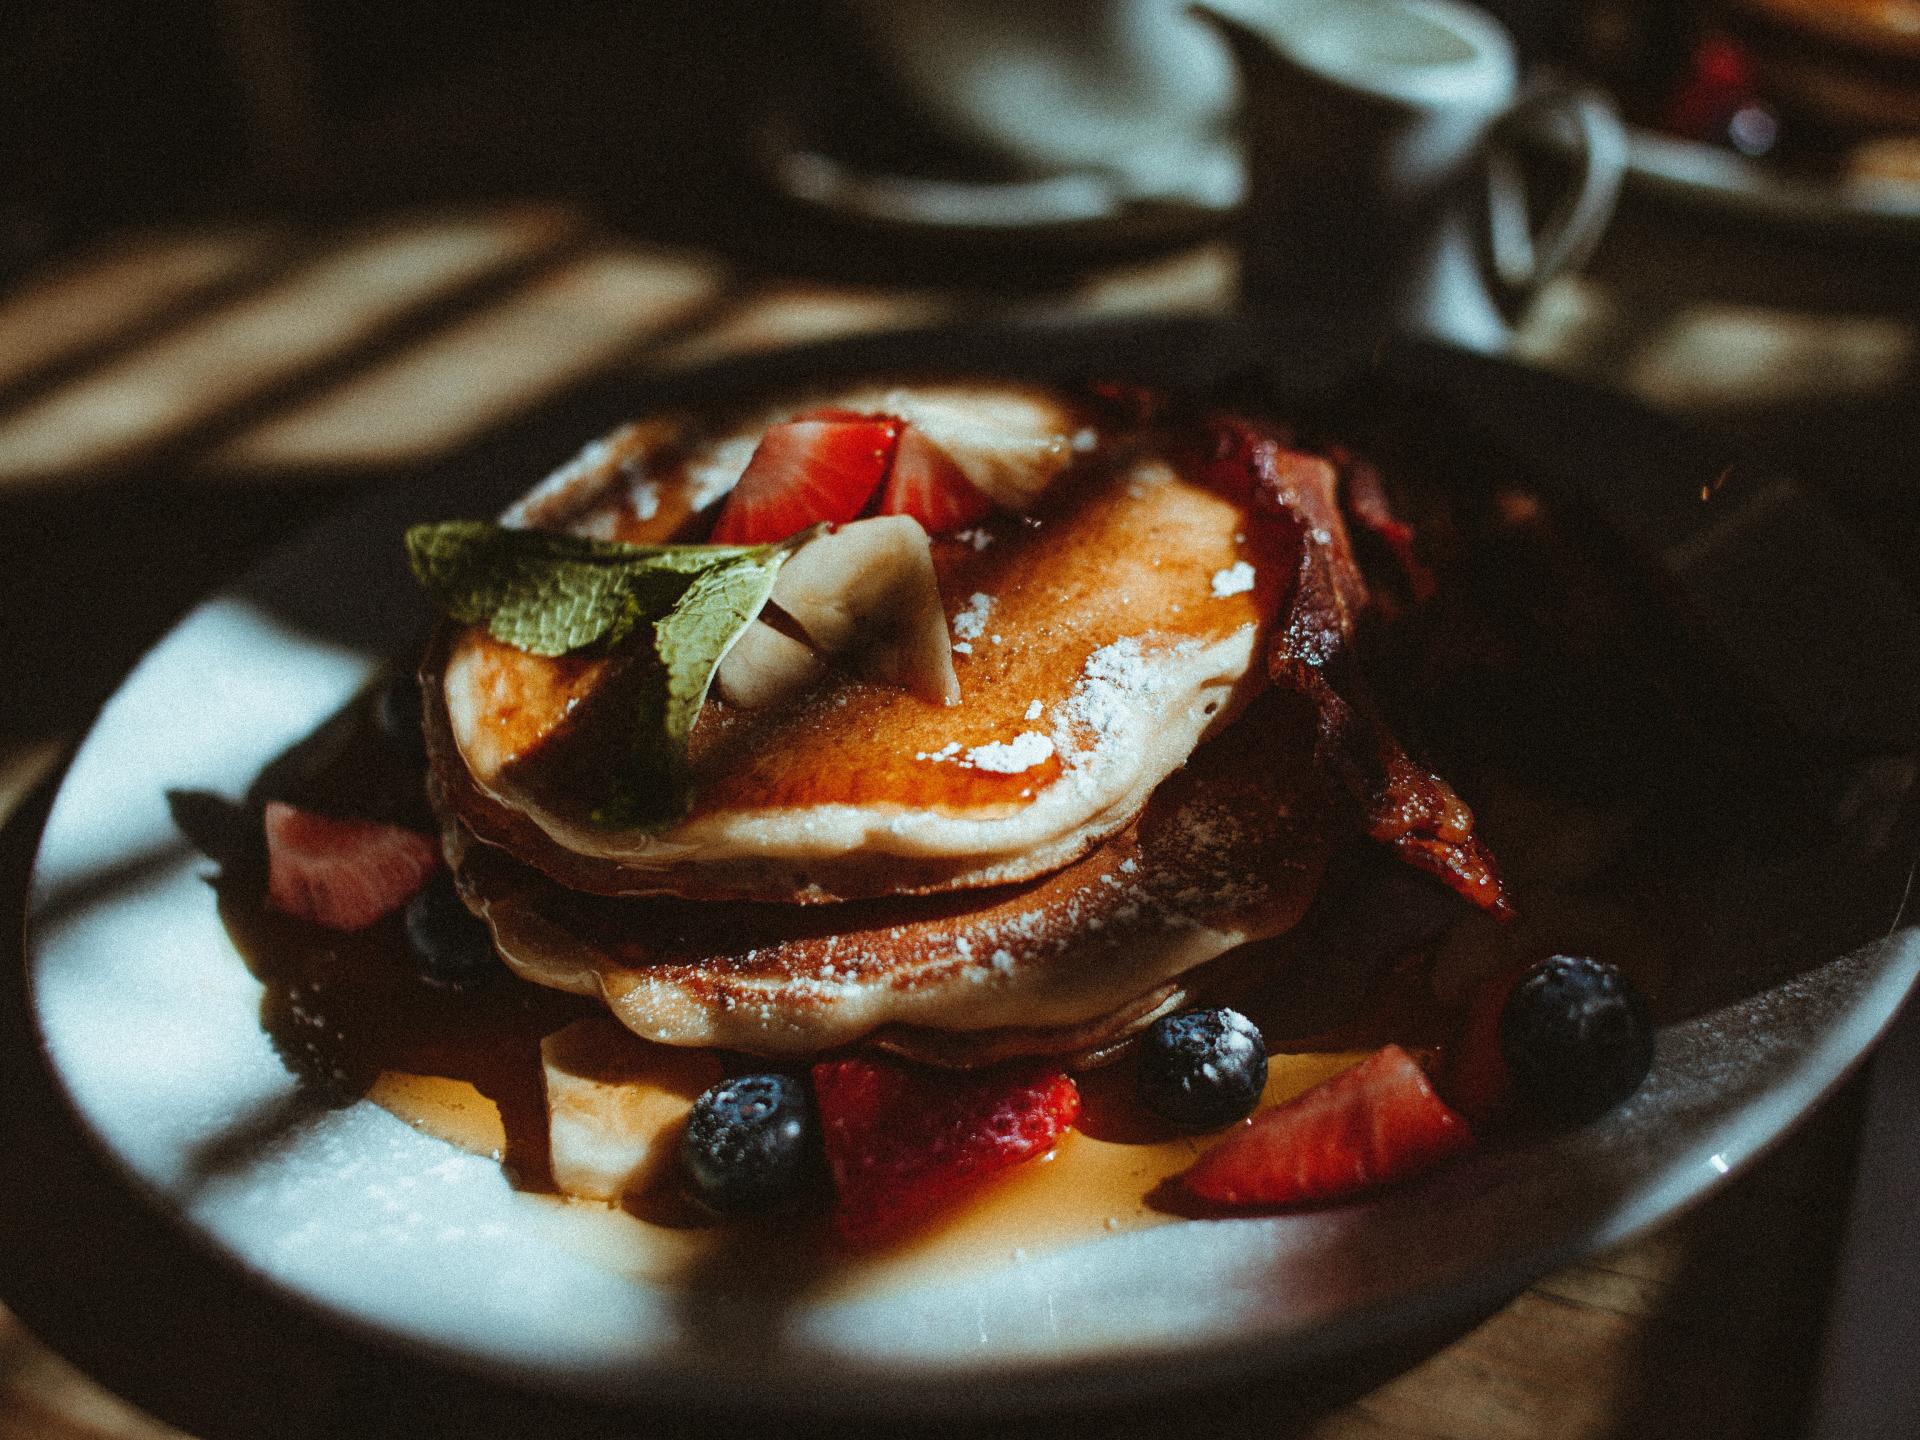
(1864, 989)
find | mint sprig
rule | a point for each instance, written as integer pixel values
(551, 594)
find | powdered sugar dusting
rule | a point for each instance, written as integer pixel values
(643, 496)
(1236, 579)
(1010, 757)
(1106, 701)
(998, 757)
(1103, 700)
(971, 622)
(1209, 830)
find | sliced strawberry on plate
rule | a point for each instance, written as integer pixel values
(343, 874)
(1477, 1081)
(806, 471)
(1375, 1124)
(903, 1143)
(926, 484)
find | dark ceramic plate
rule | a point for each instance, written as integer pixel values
(1695, 757)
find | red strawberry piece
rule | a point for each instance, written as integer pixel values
(904, 1143)
(806, 471)
(1477, 1081)
(1369, 1126)
(343, 874)
(926, 484)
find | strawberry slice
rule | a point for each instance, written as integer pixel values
(926, 484)
(815, 468)
(1372, 1125)
(1010, 442)
(1477, 1082)
(904, 1143)
(343, 874)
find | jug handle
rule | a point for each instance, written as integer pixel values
(1521, 260)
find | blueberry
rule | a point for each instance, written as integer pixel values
(396, 714)
(1201, 1069)
(751, 1143)
(1576, 1036)
(450, 944)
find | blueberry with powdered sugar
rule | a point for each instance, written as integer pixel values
(1201, 1069)
(751, 1143)
(1577, 1037)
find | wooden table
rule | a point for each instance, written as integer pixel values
(201, 394)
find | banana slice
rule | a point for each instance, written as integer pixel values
(616, 1105)
(765, 666)
(868, 591)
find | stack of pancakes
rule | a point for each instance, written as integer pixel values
(1152, 758)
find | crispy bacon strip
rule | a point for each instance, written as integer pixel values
(1404, 805)
(1367, 500)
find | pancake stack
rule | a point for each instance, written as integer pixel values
(1122, 746)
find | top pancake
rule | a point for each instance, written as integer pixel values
(1098, 639)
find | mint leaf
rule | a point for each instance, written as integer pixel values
(551, 594)
(690, 640)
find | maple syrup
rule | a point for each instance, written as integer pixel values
(352, 1016)
(349, 1015)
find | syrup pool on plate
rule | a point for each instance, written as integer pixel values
(348, 1013)
(352, 1016)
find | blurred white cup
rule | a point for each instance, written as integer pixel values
(1383, 191)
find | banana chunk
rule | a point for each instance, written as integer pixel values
(765, 666)
(1011, 442)
(867, 591)
(616, 1105)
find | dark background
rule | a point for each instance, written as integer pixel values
(117, 111)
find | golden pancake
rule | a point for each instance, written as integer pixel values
(1097, 640)
(1229, 850)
